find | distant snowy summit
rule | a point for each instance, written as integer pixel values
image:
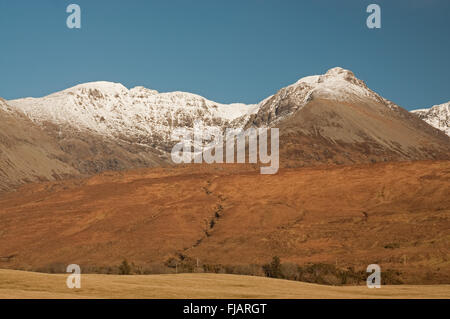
(148, 116)
(437, 116)
(111, 109)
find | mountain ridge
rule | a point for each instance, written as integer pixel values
(333, 118)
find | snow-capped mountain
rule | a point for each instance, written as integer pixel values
(113, 110)
(335, 118)
(337, 84)
(437, 116)
(331, 118)
(139, 115)
(147, 117)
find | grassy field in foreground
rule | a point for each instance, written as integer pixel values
(20, 284)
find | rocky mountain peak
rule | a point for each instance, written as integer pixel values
(437, 116)
(337, 84)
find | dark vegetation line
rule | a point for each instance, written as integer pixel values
(319, 273)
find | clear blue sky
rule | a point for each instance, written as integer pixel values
(227, 50)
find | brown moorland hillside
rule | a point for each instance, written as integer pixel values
(393, 214)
